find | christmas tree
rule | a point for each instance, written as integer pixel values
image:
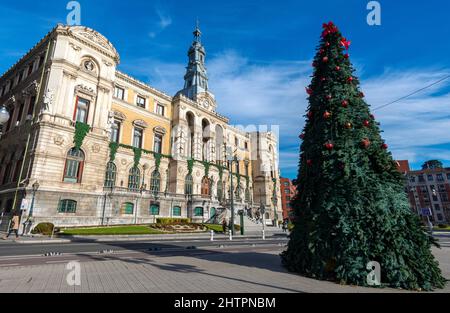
(351, 207)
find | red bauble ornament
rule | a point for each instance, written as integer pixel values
(310, 114)
(346, 56)
(328, 44)
(350, 79)
(338, 68)
(323, 79)
(309, 162)
(344, 104)
(329, 146)
(325, 59)
(328, 97)
(384, 146)
(366, 123)
(345, 43)
(362, 95)
(326, 115)
(322, 51)
(372, 116)
(365, 143)
(302, 136)
(309, 91)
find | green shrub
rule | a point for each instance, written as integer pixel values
(44, 229)
(443, 226)
(172, 221)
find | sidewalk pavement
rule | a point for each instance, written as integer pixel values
(67, 239)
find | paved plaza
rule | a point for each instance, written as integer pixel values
(229, 270)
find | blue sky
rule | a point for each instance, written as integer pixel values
(259, 56)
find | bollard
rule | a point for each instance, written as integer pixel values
(212, 235)
(264, 234)
(231, 235)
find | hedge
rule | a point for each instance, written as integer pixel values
(169, 221)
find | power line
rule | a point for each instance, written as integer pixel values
(413, 93)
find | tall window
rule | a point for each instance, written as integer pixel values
(19, 115)
(67, 206)
(176, 211)
(127, 208)
(247, 195)
(74, 166)
(155, 183)
(140, 102)
(81, 110)
(157, 145)
(17, 169)
(205, 186)
(137, 137)
(160, 109)
(111, 172)
(189, 185)
(238, 193)
(8, 125)
(31, 106)
(119, 93)
(134, 178)
(115, 131)
(219, 190)
(7, 174)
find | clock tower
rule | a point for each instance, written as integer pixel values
(196, 78)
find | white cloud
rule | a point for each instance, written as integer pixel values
(164, 20)
(274, 94)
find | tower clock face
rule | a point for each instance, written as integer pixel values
(206, 104)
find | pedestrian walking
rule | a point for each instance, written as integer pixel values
(224, 226)
(285, 226)
(14, 227)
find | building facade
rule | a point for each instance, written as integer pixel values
(428, 190)
(89, 145)
(288, 192)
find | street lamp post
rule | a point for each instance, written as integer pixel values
(35, 189)
(234, 159)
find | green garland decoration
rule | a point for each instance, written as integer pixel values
(137, 156)
(81, 131)
(113, 147)
(158, 158)
(190, 165)
(207, 166)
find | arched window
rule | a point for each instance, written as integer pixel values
(155, 182)
(134, 179)
(127, 208)
(219, 190)
(188, 185)
(67, 206)
(238, 193)
(206, 187)
(110, 177)
(74, 166)
(247, 195)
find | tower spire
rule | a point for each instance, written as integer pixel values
(196, 78)
(197, 32)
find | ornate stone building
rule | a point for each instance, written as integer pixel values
(89, 145)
